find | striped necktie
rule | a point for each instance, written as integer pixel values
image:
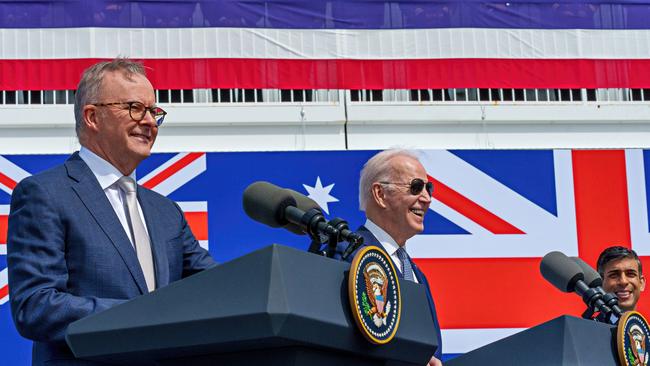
(407, 269)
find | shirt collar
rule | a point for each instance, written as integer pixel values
(389, 244)
(105, 173)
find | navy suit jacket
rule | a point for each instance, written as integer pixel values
(69, 256)
(369, 239)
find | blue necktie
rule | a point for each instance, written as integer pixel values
(407, 269)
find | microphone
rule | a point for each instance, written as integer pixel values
(561, 272)
(303, 203)
(355, 240)
(568, 276)
(593, 280)
(345, 234)
(307, 204)
(267, 203)
(276, 207)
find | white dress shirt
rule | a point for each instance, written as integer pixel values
(107, 176)
(389, 244)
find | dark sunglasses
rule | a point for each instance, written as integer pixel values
(416, 186)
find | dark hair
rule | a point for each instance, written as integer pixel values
(616, 253)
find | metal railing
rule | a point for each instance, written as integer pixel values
(254, 96)
(501, 95)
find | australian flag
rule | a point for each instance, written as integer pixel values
(494, 214)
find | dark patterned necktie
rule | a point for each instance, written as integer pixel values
(407, 269)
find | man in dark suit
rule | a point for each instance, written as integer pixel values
(83, 237)
(395, 193)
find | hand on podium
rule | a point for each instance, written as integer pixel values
(434, 362)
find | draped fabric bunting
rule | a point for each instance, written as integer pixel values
(346, 44)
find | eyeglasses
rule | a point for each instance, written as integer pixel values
(416, 186)
(137, 111)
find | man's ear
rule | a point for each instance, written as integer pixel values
(642, 282)
(89, 117)
(379, 194)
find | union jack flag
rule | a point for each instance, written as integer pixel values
(494, 214)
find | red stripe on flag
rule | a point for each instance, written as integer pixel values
(198, 222)
(8, 182)
(494, 293)
(345, 73)
(471, 210)
(602, 211)
(602, 208)
(180, 164)
(4, 291)
(4, 224)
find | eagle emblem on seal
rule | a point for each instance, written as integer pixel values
(637, 340)
(376, 288)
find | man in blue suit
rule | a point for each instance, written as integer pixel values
(395, 193)
(83, 237)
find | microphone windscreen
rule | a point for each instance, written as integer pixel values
(266, 203)
(303, 203)
(560, 271)
(592, 278)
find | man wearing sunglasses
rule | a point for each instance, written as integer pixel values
(395, 193)
(84, 236)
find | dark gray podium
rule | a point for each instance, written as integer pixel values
(562, 341)
(277, 306)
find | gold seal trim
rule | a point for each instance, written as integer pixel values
(354, 295)
(622, 332)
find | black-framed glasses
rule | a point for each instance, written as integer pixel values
(137, 111)
(416, 186)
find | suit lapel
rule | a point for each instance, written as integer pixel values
(369, 239)
(419, 274)
(158, 249)
(91, 194)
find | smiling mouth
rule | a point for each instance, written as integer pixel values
(146, 138)
(623, 295)
(417, 212)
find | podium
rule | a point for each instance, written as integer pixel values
(277, 306)
(565, 340)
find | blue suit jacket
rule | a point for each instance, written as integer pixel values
(69, 256)
(369, 239)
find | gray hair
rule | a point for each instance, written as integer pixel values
(91, 80)
(378, 169)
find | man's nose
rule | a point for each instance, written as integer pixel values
(149, 119)
(424, 196)
(624, 280)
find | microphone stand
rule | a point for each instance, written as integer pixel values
(598, 300)
(340, 234)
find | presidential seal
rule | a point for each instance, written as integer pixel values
(374, 295)
(632, 339)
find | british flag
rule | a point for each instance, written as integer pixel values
(493, 216)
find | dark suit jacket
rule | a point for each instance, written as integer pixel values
(69, 256)
(369, 239)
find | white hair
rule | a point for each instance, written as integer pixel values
(378, 169)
